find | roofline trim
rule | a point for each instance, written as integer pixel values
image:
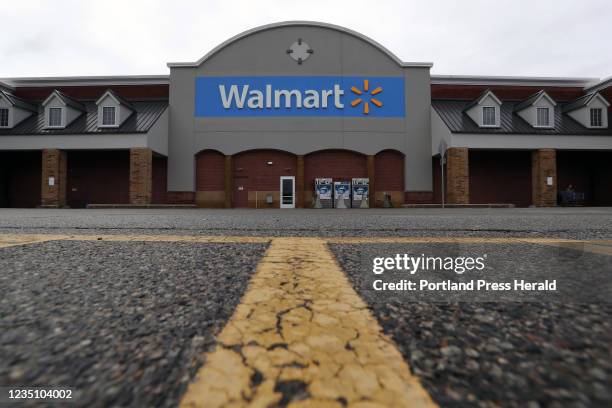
(6, 87)
(298, 23)
(86, 81)
(54, 94)
(600, 96)
(595, 87)
(489, 93)
(510, 80)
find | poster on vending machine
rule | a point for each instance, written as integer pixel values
(323, 193)
(361, 190)
(342, 194)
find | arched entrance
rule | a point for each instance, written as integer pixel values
(336, 164)
(256, 177)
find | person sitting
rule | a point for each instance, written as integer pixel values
(570, 195)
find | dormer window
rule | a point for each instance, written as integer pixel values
(4, 117)
(538, 110)
(543, 117)
(14, 110)
(596, 117)
(590, 110)
(486, 110)
(108, 116)
(488, 116)
(113, 110)
(61, 110)
(55, 117)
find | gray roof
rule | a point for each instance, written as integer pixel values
(476, 101)
(145, 115)
(69, 101)
(528, 102)
(452, 114)
(119, 99)
(18, 102)
(579, 103)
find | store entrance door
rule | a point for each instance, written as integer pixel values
(287, 192)
(241, 192)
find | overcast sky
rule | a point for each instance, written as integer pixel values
(128, 37)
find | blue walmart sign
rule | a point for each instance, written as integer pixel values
(299, 96)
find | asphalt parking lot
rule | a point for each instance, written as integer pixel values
(588, 223)
(124, 305)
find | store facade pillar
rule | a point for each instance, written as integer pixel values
(299, 182)
(371, 168)
(228, 181)
(544, 177)
(141, 175)
(53, 185)
(457, 175)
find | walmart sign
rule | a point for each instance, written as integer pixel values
(299, 96)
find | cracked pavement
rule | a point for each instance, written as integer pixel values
(251, 308)
(302, 335)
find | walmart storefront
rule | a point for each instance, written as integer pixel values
(269, 115)
(301, 101)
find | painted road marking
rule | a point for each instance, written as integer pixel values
(8, 240)
(127, 238)
(302, 335)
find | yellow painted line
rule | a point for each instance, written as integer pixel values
(169, 238)
(30, 238)
(589, 246)
(603, 247)
(8, 240)
(301, 325)
(444, 240)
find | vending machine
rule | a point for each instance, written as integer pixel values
(323, 193)
(342, 194)
(361, 191)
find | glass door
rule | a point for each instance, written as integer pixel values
(287, 192)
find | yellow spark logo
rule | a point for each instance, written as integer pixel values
(366, 90)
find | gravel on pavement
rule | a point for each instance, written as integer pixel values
(123, 324)
(588, 223)
(491, 354)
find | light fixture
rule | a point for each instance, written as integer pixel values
(270, 163)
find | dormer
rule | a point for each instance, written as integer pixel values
(591, 111)
(112, 110)
(538, 110)
(13, 110)
(486, 110)
(60, 110)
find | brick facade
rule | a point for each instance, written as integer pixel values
(543, 166)
(53, 169)
(97, 177)
(372, 167)
(389, 178)
(210, 173)
(256, 174)
(419, 197)
(141, 175)
(457, 176)
(180, 197)
(500, 177)
(20, 179)
(299, 183)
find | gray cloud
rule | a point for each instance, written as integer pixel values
(477, 37)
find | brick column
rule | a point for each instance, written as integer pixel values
(371, 164)
(543, 166)
(141, 175)
(53, 170)
(228, 182)
(457, 176)
(299, 182)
